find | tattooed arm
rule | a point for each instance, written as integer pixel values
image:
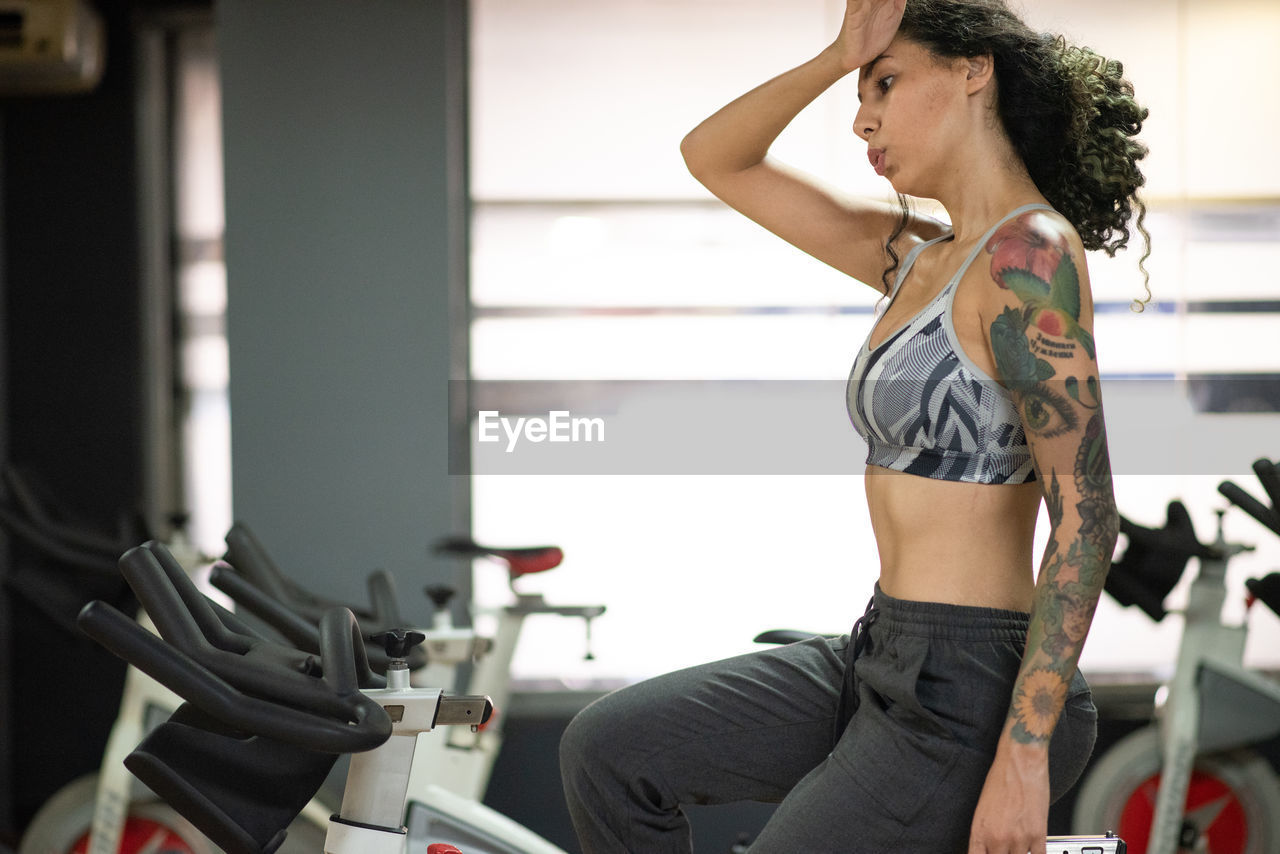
(1043, 349)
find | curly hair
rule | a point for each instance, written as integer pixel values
(1069, 113)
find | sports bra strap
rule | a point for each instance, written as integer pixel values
(911, 259)
(978, 247)
(920, 247)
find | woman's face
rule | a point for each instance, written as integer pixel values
(911, 110)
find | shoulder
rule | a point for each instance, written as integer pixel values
(1036, 263)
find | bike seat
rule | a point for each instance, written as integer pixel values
(524, 560)
(785, 636)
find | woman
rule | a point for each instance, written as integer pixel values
(954, 713)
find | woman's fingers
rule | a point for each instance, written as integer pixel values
(868, 27)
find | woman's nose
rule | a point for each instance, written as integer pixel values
(863, 123)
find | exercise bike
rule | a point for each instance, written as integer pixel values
(105, 812)
(450, 773)
(1190, 782)
(263, 723)
(110, 812)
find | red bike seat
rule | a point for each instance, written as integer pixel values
(520, 561)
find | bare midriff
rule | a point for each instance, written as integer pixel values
(954, 542)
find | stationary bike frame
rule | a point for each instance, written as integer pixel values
(450, 772)
(462, 761)
(144, 699)
(373, 802)
(1212, 708)
(1214, 703)
(207, 654)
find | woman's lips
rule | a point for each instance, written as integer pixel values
(876, 156)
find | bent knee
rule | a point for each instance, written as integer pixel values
(589, 735)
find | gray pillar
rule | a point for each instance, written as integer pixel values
(346, 198)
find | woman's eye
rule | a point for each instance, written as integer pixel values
(884, 82)
(1047, 413)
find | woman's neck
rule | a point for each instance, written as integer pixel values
(984, 180)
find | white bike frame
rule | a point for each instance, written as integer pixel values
(143, 700)
(459, 761)
(1213, 702)
(370, 820)
(444, 785)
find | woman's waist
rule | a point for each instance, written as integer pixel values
(914, 507)
(947, 620)
(948, 580)
(947, 541)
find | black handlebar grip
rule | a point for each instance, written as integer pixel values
(295, 628)
(30, 509)
(364, 728)
(250, 558)
(1269, 477)
(297, 631)
(178, 609)
(247, 555)
(1255, 508)
(258, 667)
(55, 545)
(342, 652)
(385, 602)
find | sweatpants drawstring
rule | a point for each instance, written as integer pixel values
(859, 639)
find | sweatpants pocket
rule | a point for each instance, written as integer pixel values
(899, 769)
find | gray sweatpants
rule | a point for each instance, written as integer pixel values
(925, 700)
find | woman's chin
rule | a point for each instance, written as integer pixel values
(897, 183)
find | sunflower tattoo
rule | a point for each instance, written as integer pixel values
(1037, 702)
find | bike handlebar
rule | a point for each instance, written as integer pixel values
(247, 682)
(295, 628)
(23, 505)
(55, 543)
(366, 727)
(247, 556)
(252, 578)
(1269, 477)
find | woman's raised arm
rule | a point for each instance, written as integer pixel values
(729, 154)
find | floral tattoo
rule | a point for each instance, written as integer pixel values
(1037, 342)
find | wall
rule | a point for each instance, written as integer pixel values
(344, 132)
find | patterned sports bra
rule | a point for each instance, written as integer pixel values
(924, 407)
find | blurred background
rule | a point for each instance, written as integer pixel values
(268, 261)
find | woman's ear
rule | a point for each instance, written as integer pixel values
(979, 71)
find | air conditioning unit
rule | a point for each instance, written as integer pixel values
(50, 47)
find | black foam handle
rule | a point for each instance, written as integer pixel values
(251, 559)
(297, 631)
(1269, 477)
(29, 508)
(54, 544)
(366, 728)
(302, 633)
(385, 601)
(253, 665)
(1267, 516)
